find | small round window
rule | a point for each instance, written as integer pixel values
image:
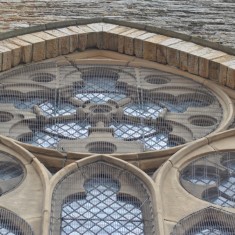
(11, 172)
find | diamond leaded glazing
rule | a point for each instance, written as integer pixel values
(214, 174)
(71, 107)
(101, 211)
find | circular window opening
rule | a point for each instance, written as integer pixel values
(43, 77)
(6, 117)
(154, 79)
(10, 170)
(100, 108)
(202, 120)
(101, 147)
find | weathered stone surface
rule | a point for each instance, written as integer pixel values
(16, 52)
(150, 48)
(91, 36)
(110, 38)
(52, 45)
(224, 70)
(27, 49)
(231, 76)
(129, 41)
(212, 20)
(193, 59)
(216, 71)
(38, 44)
(63, 41)
(177, 54)
(6, 55)
(138, 43)
(73, 38)
(82, 37)
(204, 62)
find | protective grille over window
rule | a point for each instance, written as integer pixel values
(11, 224)
(71, 107)
(212, 178)
(209, 221)
(101, 199)
(11, 172)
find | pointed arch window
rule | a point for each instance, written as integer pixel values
(101, 199)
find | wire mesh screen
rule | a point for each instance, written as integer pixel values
(104, 109)
(101, 199)
(212, 178)
(11, 224)
(209, 221)
(11, 172)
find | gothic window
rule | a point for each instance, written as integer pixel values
(11, 224)
(209, 221)
(101, 199)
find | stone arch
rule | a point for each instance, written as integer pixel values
(206, 221)
(10, 223)
(110, 186)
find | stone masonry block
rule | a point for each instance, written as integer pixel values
(6, 55)
(165, 54)
(231, 76)
(193, 59)
(63, 41)
(52, 45)
(121, 39)
(224, 70)
(153, 51)
(204, 62)
(177, 54)
(91, 36)
(110, 38)
(129, 41)
(26, 49)
(16, 52)
(82, 37)
(38, 44)
(138, 43)
(215, 68)
(73, 39)
(101, 29)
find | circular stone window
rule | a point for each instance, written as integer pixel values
(43, 77)
(153, 79)
(211, 178)
(101, 147)
(202, 120)
(6, 117)
(110, 102)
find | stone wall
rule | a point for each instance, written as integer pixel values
(209, 19)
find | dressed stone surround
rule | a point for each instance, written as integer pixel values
(137, 40)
